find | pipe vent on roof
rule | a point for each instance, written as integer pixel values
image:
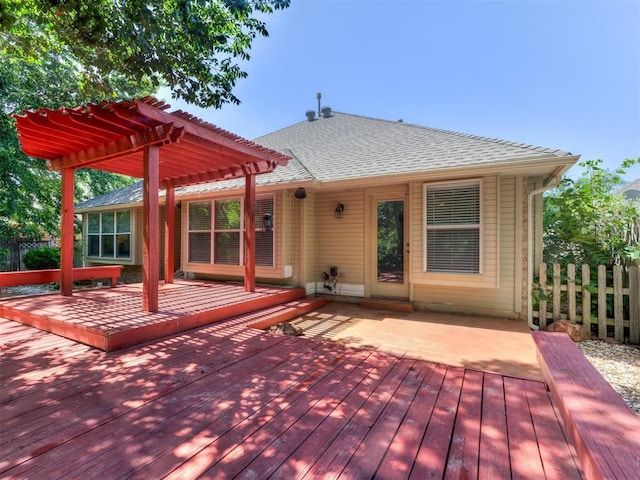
(311, 115)
(326, 112)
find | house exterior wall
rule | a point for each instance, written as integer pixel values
(499, 293)
(341, 241)
(309, 243)
(309, 240)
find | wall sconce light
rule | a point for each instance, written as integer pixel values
(267, 222)
(300, 193)
(339, 211)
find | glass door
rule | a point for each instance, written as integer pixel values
(389, 248)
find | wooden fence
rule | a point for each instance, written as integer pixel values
(612, 302)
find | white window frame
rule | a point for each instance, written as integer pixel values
(212, 231)
(479, 226)
(114, 258)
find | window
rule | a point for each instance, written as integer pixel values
(109, 234)
(215, 232)
(453, 228)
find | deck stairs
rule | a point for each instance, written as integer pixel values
(285, 312)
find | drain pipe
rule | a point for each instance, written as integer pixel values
(553, 182)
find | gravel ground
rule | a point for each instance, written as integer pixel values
(619, 365)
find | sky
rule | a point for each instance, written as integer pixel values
(560, 74)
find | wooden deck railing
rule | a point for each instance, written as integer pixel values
(33, 277)
(604, 431)
(611, 301)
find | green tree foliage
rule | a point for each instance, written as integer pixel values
(71, 52)
(192, 46)
(589, 221)
(29, 192)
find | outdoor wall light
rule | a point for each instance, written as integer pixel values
(339, 211)
(301, 193)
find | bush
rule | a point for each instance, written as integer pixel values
(41, 258)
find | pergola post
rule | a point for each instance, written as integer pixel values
(67, 233)
(249, 234)
(150, 229)
(169, 233)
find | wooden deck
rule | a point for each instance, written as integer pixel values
(226, 401)
(603, 429)
(110, 319)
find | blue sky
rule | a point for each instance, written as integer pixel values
(560, 74)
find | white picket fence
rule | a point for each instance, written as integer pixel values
(564, 298)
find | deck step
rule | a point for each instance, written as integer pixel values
(595, 416)
(387, 304)
(287, 311)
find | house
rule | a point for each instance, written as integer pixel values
(632, 189)
(364, 208)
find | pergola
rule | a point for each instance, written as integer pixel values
(139, 138)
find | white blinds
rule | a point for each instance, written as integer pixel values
(453, 228)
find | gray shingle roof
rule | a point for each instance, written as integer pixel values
(347, 146)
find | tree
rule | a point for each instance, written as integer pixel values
(192, 46)
(71, 52)
(29, 192)
(589, 221)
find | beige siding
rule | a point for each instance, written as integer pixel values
(309, 234)
(490, 241)
(139, 238)
(340, 241)
(502, 254)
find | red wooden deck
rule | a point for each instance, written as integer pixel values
(227, 401)
(110, 319)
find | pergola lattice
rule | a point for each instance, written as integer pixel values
(141, 139)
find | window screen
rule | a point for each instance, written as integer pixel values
(109, 234)
(453, 228)
(216, 231)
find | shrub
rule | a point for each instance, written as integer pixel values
(41, 258)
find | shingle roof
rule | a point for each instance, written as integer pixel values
(346, 146)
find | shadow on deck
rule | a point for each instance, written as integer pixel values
(111, 319)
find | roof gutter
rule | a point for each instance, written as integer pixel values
(552, 182)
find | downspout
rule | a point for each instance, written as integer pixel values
(553, 182)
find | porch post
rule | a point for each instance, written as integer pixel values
(67, 233)
(169, 233)
(249, 234)
(150, 229)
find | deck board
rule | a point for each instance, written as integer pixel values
(227, 401)
(112, 318)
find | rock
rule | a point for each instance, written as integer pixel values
(290, 329)
(577, 332)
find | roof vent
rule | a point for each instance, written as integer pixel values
(326, 112)
(311, 115)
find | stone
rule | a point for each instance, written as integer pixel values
(577, 332)
(290, 329)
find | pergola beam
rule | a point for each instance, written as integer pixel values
(150, 229)
(160, 135)
(67, 233)
(219, 174)
(234, 145)
(249, 234)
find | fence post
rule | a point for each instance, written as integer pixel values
(618, 318)
(571, 292)
(557, 289)
(542, 314)
(586, 297)
(602, 301)
(634, 304)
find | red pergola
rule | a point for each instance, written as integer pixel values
(141, 139)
